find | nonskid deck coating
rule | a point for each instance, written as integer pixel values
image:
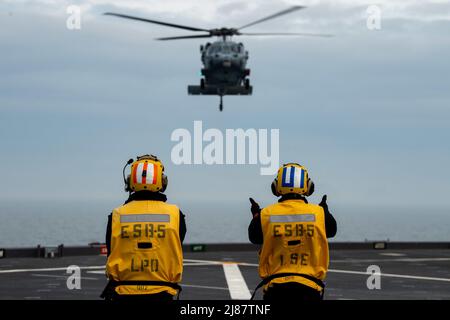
(406, 274)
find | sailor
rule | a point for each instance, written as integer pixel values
(144, 238)
(293, 260)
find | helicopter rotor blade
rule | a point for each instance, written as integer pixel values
(186, 37)
(287, 34)
(154, 21)
(283, 12)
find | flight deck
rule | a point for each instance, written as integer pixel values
(230, 272)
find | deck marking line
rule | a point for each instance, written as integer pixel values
(393, 254)
(391, 260)
(391, 275)
(236, 283)
(228, 266)
(49, 269)
(61, 277)
(204, 287)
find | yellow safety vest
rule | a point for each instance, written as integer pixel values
(294, 241)
(145, 246)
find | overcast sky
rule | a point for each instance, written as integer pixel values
(367, 112)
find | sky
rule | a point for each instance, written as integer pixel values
(366, 111)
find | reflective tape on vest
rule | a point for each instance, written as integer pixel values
(292, 218)
(133, 218)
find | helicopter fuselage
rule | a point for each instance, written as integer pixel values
(224, 69)
(224, 63)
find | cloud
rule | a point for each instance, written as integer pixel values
(340, 12)
(359, 109)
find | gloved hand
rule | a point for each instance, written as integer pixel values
(323, 203)
(255, 209)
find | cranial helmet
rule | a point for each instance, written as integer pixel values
(147, 173)
(292, 178)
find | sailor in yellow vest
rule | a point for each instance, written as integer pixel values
(293, 260)
(144, 238)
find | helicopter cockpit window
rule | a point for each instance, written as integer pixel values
(236, 49)
(215, 49)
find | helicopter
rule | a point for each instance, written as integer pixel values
(224, 61)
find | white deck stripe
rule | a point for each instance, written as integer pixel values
(205, 261)
(198, 264)
(236, 283)
(195, 262)
(49, 269)
(61, 277)
(392, 275)
(392, 260)
(204, 287)
(367, 274)
(393, 254)
(97, 272)
(237, 273)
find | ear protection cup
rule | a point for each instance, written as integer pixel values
(273, 187)
(310, 188)
(127, 184)
(164, 181)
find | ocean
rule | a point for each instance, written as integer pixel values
(29, 223)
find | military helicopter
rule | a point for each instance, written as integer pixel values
(224, 61)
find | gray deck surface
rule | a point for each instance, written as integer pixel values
(406, 274)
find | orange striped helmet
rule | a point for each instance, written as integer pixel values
(147, 173)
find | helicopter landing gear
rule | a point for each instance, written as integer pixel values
(221, 104)
(247, 83)
(202, 83)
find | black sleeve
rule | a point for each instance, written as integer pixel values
(330, 223)
(255, 234)
(108, 235)
(182, 230)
